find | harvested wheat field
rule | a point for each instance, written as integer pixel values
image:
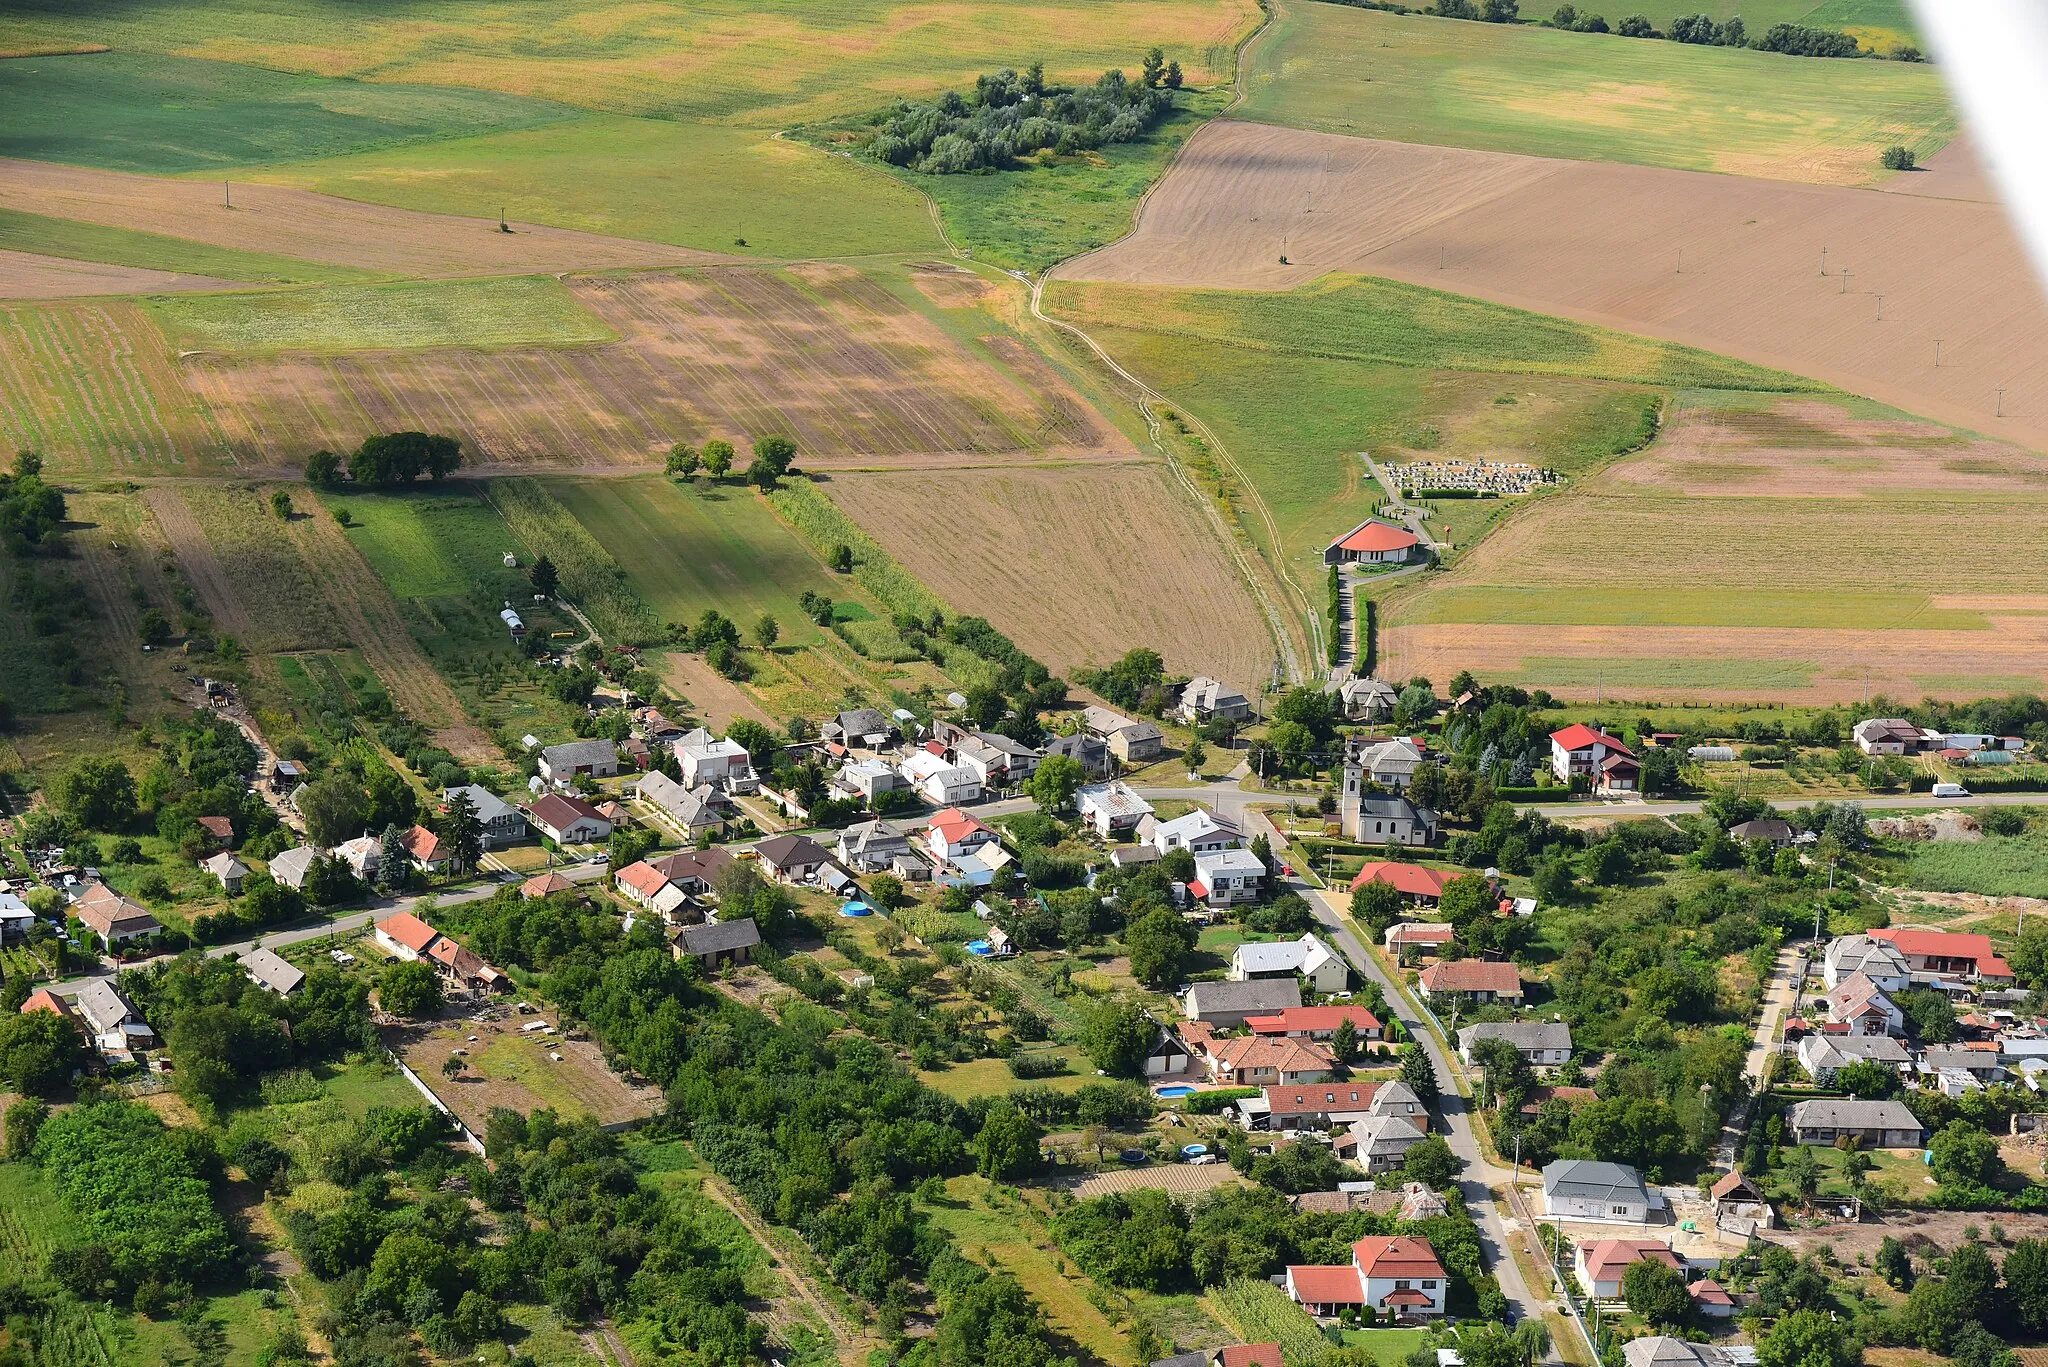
(1049, 556)
(1729, 264)
(823, 354)
(316, 227)
(1764, 548)
(30, 275)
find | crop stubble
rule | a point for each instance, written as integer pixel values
(1725, 263)
(1046, 553)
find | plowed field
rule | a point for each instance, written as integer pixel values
(1728, 264)
(30, 275)
(316, 227)
(1079, 564)
(1764, 548)
(823, 354)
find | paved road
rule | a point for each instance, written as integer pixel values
(343, 922)
(1869, 801)
(1481, 1174)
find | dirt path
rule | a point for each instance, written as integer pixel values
(201, 563)
(371, 619)
(852, 1339)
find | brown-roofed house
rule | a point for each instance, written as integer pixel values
(43, 999)
(545, 885)
(112, 917)
(1478, 980)
(792, 858)
(406, 935)
(219, 829)
(430, 853)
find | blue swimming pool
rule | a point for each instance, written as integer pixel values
(1177, 1090)
(856, 909)
(981, 948)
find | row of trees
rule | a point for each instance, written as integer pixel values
(390, 460)
(1799, 40)
(773, 457)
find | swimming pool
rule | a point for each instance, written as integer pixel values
(981, 948)
(1177, 1090)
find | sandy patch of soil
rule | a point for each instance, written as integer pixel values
(1722, 262)
(316, 227)
(28, 275)
(715, 699)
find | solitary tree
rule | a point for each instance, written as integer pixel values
(545, 579)
(841, 558)
(451, 1067)
(1007, 1144)
(718, 458)
(281, 503)
(1117, 1036)
(766, 631)
(410, 989)
(1344, 1041)
(683, 460)
(1053, 784)
(462, 831)
(778, 452)
(1418, 1074)
(1657, 1293)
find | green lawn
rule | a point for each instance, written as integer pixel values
(992, 1077)
(507, 311)
(32, 1220)
(688, 549)
(1580, 672)
(1593, 97)
(1390, 1346)
(131, 111)
(65, 237)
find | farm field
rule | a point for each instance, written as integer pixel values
(1997, 866)
(1778, 572)
(855, 366)
(25, 275)
(283, 222)
(1722, 263)
(688, 549)
(1591, 97)
(131, 111)
(24, 233)
(482, 314)
(1049, 568)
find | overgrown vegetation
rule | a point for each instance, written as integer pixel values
(1011, 117)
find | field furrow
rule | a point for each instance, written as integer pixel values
(196, 556)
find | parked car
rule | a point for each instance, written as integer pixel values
(1950, 790)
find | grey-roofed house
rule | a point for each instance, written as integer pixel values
(695, 811)
(1585, 1189)
(719, 943)
(1825, 1055)
(1384, 1140)
(228, 870)
(1774, 829)
(290, 867)
(861, 728)
(115, 1026)
(1130, 739)
(561, 763)
(1661, 1350)
(1090, 752)
(1367, 700)
(499, 823)
(1378, 818)
(1542, 1044)
(1229, 1003)
(269, 971)
(1205, 698)
(871, 846)
(1874, 1124)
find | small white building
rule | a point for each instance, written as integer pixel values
(709, 761)
(1225, 878)
(1199, 832)
(939, 781)
(1113, 809)
(1307, 958)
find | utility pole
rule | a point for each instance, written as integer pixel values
(1880, 308)
(1823, 260)
(1937, 353)
(2001, 401)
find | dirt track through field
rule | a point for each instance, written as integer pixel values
(28, 275)
(1721, 262)
(1078, 563)
(369, 617)
(202, 565)
(316, 227)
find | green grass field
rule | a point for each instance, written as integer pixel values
(1425, 373)
(508, 311)
(1358, 318)
(1597, 604)
(688, 549)
(65, 237)
(1593, 97)
(131, 111)
(692, 185)
(1999, 866)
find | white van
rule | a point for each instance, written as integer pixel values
(1950, 790)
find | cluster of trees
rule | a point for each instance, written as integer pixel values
(1799, 40)
(31, 510)
(201, 769)
(140, 1195)
(390, 460)
(38, 1049)
(1147, 1240)
(818, 1130)
(359, 793)
(1010, 117)
(224, 1032)
(773, 456)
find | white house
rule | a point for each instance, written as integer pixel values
(1578, 751)
(1584, 1189)
(996, 759)
(364, 856)
(1542, 1044)
(953, 833)
(1601, 1263)
(1225, 878)
(866, 778)
(405, 936)
(1878, 960)
(1307, 957)
(707, 760)
(561, 763)
(1865, 1008)
(568, 820)
(1199, 832)
(1204, 699)
(1887, 736)
(1111, 808)
(1386, 1273)
(1389, 763)
(113, 1024)
(938, 780)
(1380, 818)
(871, 846)
(1367, 700)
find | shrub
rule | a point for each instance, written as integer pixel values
(1898, 157)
